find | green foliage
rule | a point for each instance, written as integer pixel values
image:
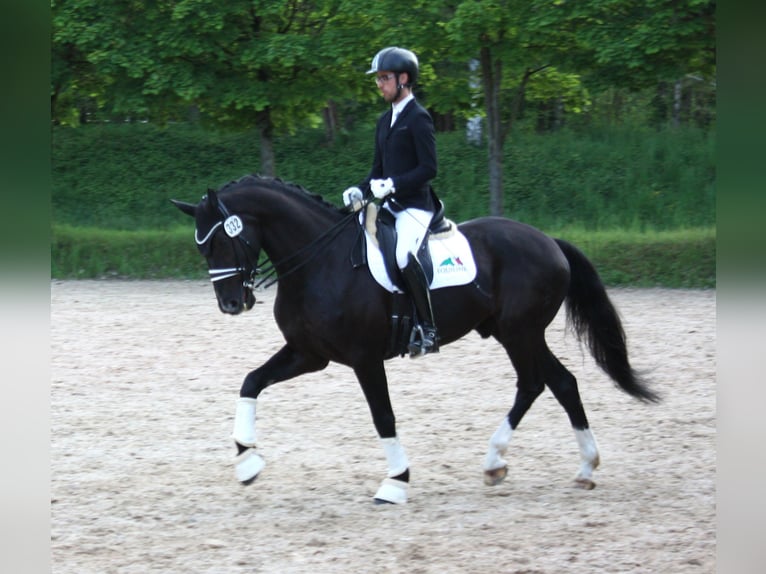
(230, 60)
(123, 176)
(267, 69)
(683, 258)
(613, 178)
(112, 185)
(87, 253)
(669, 259)
(637, 43)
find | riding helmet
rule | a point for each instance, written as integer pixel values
(396, 60)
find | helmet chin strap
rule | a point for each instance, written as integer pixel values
(399, 87)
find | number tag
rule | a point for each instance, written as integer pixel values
(233, 225)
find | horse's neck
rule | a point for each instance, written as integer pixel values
(291, 232)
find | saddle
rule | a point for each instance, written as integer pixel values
(381, 225)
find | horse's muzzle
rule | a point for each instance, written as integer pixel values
(235, 305)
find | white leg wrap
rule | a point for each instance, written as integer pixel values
(393, 491)
(244, 422)
(588, 453)
(397, 458)
(498, 444)
(247, 465)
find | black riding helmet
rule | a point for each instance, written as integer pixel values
(397, 60)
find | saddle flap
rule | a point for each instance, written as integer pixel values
(386, 236)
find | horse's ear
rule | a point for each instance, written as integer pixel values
(187, 208)
(212, 197)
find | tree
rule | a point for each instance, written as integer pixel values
(635, 45)
(241, 63)
(282, 64)
(526, 44)
(513, 43)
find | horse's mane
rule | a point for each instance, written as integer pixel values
(276, 184)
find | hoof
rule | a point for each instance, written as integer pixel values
(247, 465)
(392, 491)
(495, 476)
(585, 483)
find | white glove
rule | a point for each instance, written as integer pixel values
(352, 196)
(382, 187)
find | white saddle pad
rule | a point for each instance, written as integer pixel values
(451, 255)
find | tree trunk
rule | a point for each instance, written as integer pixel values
(491, 73)
(558, 114)
(677, 94)
(266, 131)
(330, 114)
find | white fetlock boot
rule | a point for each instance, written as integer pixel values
(391, 490)
(247, 464)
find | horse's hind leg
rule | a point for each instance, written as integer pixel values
(495, 466)
(372, 378)
(563, 385)
(536, 366)
(529, 386)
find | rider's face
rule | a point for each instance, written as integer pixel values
(387, 83)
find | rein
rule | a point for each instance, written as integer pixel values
(232, 225)
(315, 246)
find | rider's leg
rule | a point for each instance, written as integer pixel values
(425, 339)
(411, 229)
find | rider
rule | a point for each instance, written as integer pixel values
(404, 163)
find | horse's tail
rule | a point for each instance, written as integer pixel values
(593, 317)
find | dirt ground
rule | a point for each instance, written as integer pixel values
(145, 376)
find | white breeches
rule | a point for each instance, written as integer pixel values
(411, 227)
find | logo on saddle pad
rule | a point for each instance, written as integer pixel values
(451, 265)
(456, 267)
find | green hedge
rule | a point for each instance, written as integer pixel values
(668, 259)
(112, 183)
(122, 176)
(78, 253)
(676, 259)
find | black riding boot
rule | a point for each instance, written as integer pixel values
(424, 337)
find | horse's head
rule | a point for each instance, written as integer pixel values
(230, 244)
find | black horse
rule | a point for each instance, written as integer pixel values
(328, 310)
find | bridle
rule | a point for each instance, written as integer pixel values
(233, 226)
(267, 270)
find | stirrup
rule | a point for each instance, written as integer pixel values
(420, 344)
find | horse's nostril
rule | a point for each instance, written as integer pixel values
(230, 306)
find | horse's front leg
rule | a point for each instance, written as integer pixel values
(372, 378)
(286, 364)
